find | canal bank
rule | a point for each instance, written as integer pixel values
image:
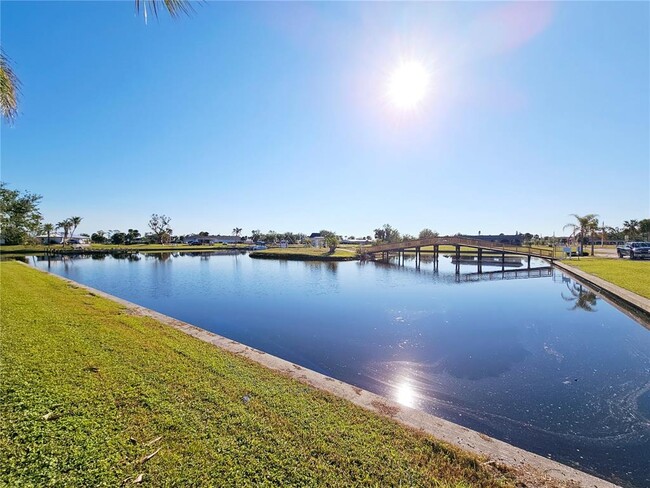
(536, 470)
(615, 292)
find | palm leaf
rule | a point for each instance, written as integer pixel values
(174, 7)
(9, 87)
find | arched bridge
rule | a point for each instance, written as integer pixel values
(478, 247)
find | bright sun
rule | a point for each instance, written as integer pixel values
(408, 85)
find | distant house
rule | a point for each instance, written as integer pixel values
(197, 239)
(512, 240)
(57, 238)
(317, 240)
(355, 241)
(284, 243)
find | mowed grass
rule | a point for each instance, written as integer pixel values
(308, 253)
(35, 249)
(89, 390)
(631, 275)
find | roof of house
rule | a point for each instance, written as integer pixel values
(197, 236)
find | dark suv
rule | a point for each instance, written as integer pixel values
(636, 250)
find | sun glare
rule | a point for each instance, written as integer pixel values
(408, 85)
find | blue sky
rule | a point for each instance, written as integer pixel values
(274, 116)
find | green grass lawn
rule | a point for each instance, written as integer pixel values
(89, 390)
(306, 253)
(631, 275)
(35, 249)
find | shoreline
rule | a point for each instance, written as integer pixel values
(298, 256)
(610, 290)
(532, 468)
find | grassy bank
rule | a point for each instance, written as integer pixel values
(306, 254)
(39, 249)
(89, 391)
(631, 275)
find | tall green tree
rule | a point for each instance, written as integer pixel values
(644, 228)
(585, 225)
(631, 228)
(99, 237)
(20, 217)
(387, 234)
(428, 234)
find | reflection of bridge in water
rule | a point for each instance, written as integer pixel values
(458, 277)
(486, 252)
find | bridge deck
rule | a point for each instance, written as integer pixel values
(462, 242)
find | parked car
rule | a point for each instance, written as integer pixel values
(635, 250)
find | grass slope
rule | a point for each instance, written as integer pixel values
(631, 275)
(40, 249)
(306, 253)
(85, 385)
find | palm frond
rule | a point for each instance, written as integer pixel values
(9, 87)
(174, 7)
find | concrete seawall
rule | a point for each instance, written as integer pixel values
(532, 469)
(630, 299)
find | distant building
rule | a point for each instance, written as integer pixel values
(512, 239)
(197, 239)
(57, 238)
(317, 240)
(355, 241)
(284, 244)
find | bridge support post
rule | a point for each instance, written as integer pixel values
(503, 261)
(529, 261)
(480, 260)
(418, 256)
(457, 259)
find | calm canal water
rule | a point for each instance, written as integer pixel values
(538, 362)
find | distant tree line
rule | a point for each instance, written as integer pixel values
(21, 221)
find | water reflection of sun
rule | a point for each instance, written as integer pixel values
(405, 394)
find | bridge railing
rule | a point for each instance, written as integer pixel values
(462, 241)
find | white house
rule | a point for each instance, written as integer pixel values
(317, 240)
(57, 238)
(197, 239)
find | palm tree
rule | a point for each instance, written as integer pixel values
(586, 226)
(237, 231)
(66, 225)
(75, 221)
(9, 86)
(631, 227)
(48, 229)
